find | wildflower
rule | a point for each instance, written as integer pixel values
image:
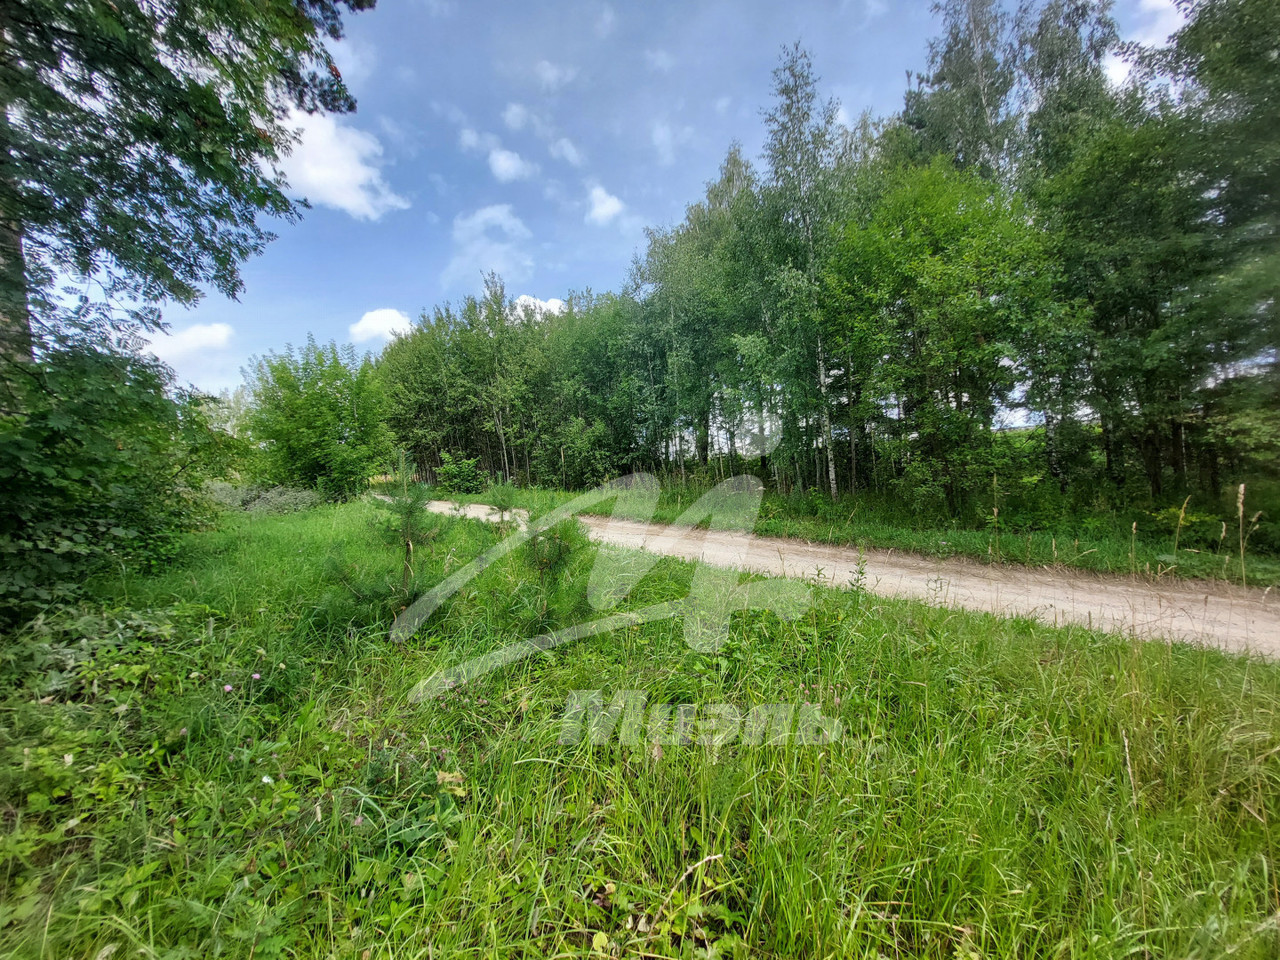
(182, 732)
(267, 779)
(227, 688)
(357, 821)
(257, 676)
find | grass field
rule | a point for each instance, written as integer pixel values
(223, 761)
(1201, 548)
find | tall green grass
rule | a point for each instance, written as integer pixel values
(1003, 789)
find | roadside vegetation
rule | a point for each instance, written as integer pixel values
(221, 759)
(1151, 544)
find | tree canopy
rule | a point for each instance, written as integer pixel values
(137, 148)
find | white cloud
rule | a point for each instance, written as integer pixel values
(450, 111)
(381, 324)
(604, 205)
(525, 302)
(553, 76)
(191, 343)
(659, 60)
(515, 116)
(563, 149)
(507, 165)
(666, 138)
(338, 166)
(470, 139)
(492, 238)
(200, 353)
(1161, 18)
(606, 21)
(1158, 20)
(354, 59)
(1117, 69)
(722, 105)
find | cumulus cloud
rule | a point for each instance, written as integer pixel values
(191, 342)
(875, 9)
(604, 206)
(491, 238)
(540, 307)
(354, 59)
(606, 21)
(1161, 18)
(336, 165)
(470, 139)
(507, 165)
(1158, 20)
(382, 324)
(563, 149)
(201, 354)
(665, 140)
(659, 60)
(515, 116)
(553, 76)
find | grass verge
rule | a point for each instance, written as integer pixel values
(223, 761)
(1148, 545)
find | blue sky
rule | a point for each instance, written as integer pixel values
(536, 139)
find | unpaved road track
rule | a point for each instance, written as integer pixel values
(1220, 615)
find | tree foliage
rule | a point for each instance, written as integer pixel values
(317, 419)
(138, 142)
(102, 467)
(1029, 268)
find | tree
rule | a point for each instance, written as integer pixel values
(317, 419)
(137, 143)
(1062, 81)
(949, 288)
(1226, 55)
(962, 107)
(801, 149)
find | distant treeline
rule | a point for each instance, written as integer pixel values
(1025, 243)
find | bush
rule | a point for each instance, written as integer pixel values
(100, 461)
(456, 475)
(259, 499)
(317, 416)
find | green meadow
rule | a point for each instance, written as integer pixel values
(222, 759)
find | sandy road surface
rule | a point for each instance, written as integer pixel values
(1220, 615)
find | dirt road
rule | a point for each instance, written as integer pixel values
(1217, 614)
